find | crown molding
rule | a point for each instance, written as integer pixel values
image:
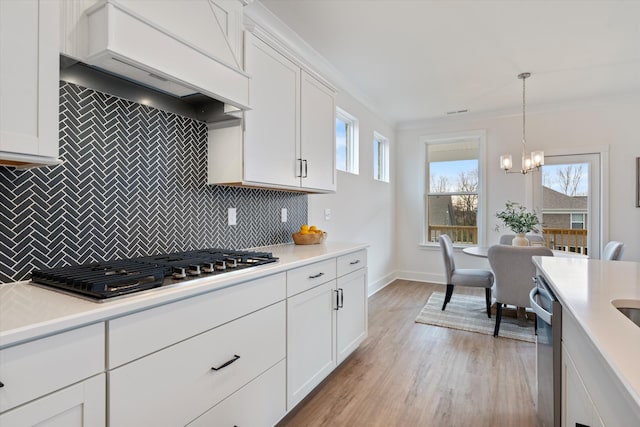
(261, 21)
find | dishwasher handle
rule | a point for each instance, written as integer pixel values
(539, 311)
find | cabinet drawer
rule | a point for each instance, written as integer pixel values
(172, 386)
(142, 333)
(39, 367)
(303, 278)
(265, 396)
(352, 262)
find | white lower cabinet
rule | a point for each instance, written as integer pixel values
(326, 322)
(174, 386)
(264, 396)
(578, 409)
(311, 351)
(80, 405)
(352, 314)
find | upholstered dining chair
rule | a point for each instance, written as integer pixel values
(472, 277)
(613, 251)
(513, 270)
(506, 239)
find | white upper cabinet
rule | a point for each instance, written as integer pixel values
(289, 134)
(29, 89)
(318, 132)
(272, 137)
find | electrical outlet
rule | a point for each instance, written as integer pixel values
(327, 214)
(283, 215)
(232, 216)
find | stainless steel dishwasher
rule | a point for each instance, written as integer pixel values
(549, 348)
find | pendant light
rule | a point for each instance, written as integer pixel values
(530, 162)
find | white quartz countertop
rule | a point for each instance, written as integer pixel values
(586, 288)
(28, 311)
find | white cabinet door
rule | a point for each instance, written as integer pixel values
(352, 314)
(29, 70)
(318, 134)
(271, 144)
(578, 409)
(311, 354)
(80, 405)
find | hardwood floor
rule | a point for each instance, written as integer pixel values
(410, 374)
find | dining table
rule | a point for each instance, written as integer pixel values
(483, 252)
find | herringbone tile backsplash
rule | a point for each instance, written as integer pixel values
(133, 183)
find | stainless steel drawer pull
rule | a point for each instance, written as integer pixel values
(355, 262)
(315, 276)
(227, 363)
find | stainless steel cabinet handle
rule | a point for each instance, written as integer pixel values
(306, 169)
(341, 300)
(315, 276)
(225, 364)
(337, 307)
(300, 168)
(355, 262)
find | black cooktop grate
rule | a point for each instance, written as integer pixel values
(120, 277)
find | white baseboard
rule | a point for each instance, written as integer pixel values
(418, 276)
(381, 283)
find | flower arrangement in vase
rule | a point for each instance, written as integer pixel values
(519, 220)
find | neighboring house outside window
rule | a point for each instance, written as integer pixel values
(380, 157)
(346, 142)
(453, 190)
(564, 220)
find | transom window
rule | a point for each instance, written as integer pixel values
(453, 190)
(380, 157)
(346, 142)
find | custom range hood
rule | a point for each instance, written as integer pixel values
(188, 72)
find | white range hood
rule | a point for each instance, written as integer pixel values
(125, 42)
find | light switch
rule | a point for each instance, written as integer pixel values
(327, 214)
(232, 216)
(283, 215)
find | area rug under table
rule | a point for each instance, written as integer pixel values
(468, 313)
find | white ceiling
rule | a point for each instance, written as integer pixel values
(417, 59)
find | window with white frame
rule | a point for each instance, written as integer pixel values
(346, 142)
(380, 157)
(577, 221)
(453, 189)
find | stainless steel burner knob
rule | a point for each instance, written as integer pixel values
(221, 265)
(193, 270)
(179, 273)
(208, 267)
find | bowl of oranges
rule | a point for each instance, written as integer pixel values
(309, 235)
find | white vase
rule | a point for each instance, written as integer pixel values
(520, 240)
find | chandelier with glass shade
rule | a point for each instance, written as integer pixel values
(530, 162)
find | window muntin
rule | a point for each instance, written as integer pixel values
(453, 191)
(346, 142)
(380, 158)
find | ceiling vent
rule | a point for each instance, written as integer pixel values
(456, 112)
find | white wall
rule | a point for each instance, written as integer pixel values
(609, 123)
(363, 209)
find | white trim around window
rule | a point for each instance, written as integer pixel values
(351, 140)
(380, 157)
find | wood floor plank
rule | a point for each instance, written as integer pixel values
(411, 374)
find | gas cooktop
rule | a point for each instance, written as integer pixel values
(100, 281)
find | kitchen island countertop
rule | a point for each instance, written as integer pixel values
(586, 289)
(28, 311)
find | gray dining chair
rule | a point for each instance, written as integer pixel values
(506, 239)
(472, 277)
(613, 251)
(513, 271)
